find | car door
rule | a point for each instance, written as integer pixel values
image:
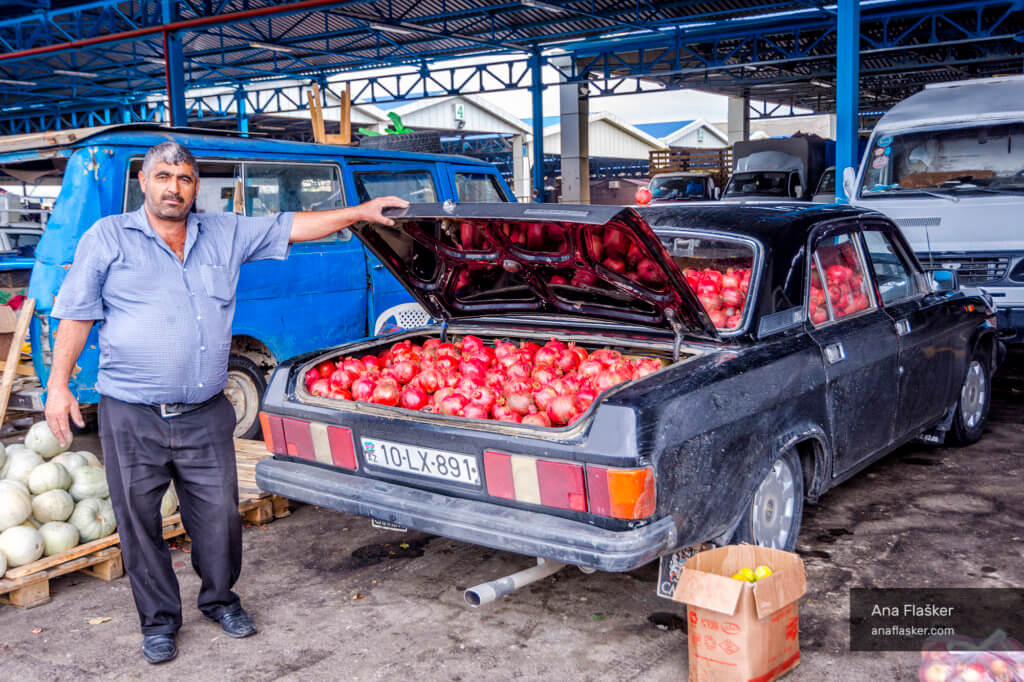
(416, 183)
(859, 348)
(926, 356)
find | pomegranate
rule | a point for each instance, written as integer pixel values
(634, 255)
(595, 245)
(311, 376)
(453, 405)
(429, 380)
(546, 356)
(340, 394)
(471, 344)
(731, 280)
(520, 403)
(517, 386)
(643, 196)
(646, 366)
(535, 236)
(362, 388)
(650, 274)
(325, 368)
(520, 370)
(537, 419)
(615, 264)
(342, 379)
(590, 368)
(731, 297)
(321, 387)
(483, 396)
(608, 379)
(584, 278)
(404, 371)
(616, 242)
(543, 397)
(476, 411)
(414, 398)
(558, 279)
(568, 360)
(562, 410)
(544, 374)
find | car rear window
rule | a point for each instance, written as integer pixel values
(416, 186)
(719, 272)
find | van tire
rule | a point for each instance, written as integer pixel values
(246, 384)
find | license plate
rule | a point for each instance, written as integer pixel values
(421, 461)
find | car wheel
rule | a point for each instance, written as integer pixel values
(975, 397)
(244, 389)
(776, 510)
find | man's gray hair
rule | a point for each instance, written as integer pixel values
(169, 152)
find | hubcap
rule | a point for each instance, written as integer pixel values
(244, 397)
(774, 504)
(973, 395)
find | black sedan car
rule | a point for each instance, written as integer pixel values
(731, 363)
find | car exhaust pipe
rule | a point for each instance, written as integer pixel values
(485, 593)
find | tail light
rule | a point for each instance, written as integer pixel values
(612, 492)
(535, 481)
(314, 441)
(621, 493)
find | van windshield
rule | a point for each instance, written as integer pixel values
(982, 159)
(761, 183)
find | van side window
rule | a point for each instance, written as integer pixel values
(414, 186)
(478, 187)
(895, 278)
(275, 187)
(220, 187)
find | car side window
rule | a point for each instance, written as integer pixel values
(416, 186)
(896, 280)
(844, 288)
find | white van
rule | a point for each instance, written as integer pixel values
(947, 165)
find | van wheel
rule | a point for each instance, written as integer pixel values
(975, 397)
(776, 511)
(244, 389)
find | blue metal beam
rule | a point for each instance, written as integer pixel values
(174, 66)
(847, 84)
(537, 94)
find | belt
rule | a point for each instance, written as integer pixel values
(166, 410)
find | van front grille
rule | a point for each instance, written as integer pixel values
(970, 269)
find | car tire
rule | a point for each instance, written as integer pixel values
(777, 507)
(246, 383)
(971, 414)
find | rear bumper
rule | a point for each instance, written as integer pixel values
(480, 523)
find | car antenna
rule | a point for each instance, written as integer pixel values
(928, 241)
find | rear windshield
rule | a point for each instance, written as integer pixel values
(416, 186)
(767, 183)
(719, 271)
(678, 188)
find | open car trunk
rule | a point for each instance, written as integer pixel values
(484, 380)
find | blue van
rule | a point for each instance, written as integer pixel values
(326, 293)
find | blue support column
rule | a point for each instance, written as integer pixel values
(847, 85)
(174, 66)
(537, 92)
(243, 120)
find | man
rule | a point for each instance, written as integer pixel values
(161, 283)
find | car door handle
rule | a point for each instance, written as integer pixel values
(378, 267)
(834, 353)
(902, 327)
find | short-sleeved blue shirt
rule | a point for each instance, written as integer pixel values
(165, 323)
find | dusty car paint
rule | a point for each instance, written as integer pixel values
(712, 424)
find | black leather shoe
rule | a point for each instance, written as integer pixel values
(237, 623)
(159, 648)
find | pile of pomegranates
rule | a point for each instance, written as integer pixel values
(549, 385)
(723, 293)
(844, 284)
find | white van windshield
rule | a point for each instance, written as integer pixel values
(982, 159)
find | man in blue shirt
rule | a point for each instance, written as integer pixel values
(160, 281)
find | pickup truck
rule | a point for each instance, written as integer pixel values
(842, 351)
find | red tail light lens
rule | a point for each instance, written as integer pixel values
(535, 481)
(309, 440)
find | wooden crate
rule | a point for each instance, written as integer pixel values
(29, 585)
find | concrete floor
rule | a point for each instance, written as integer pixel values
(337, 599)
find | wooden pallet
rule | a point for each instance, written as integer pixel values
(29, 585)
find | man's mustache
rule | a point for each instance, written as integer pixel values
(176, 197)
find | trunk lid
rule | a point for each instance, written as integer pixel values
(603, 262)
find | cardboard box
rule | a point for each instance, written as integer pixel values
(741, 631)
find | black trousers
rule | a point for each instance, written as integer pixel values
(143, 453)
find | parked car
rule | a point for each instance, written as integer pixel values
(947, 165)
(327, 292)
(778, 168)
(826, 190)
(844, 350)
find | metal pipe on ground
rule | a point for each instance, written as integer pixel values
(485, 593)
